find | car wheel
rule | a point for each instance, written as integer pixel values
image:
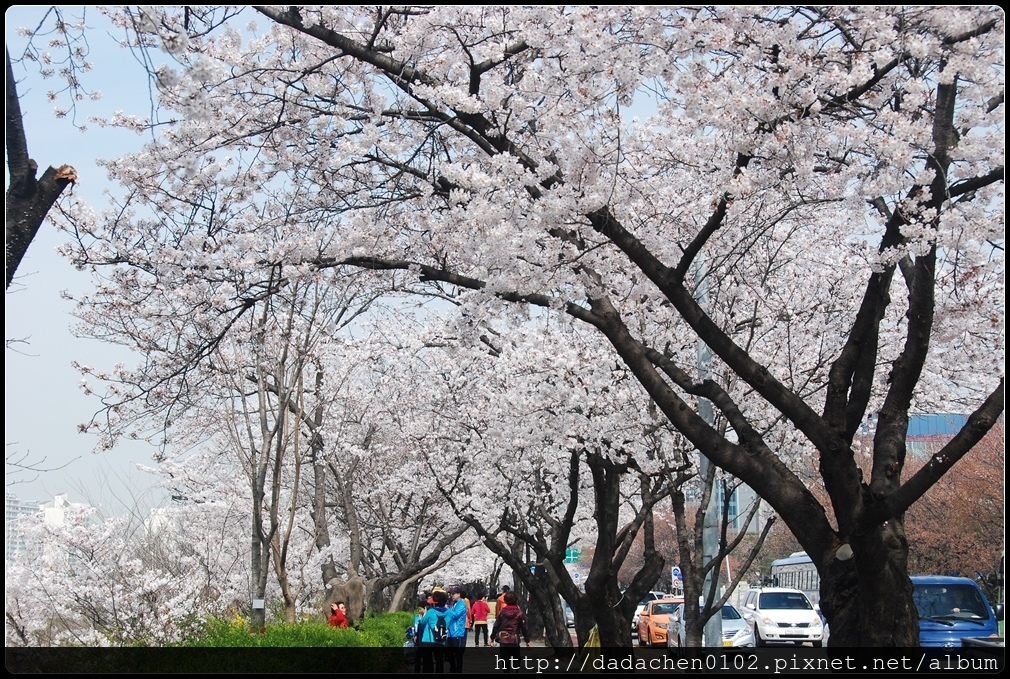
(817, 644)
(641, 640)
(758, 641)
(648, 638)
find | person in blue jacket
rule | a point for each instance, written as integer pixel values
(457, 629)
(432, 652)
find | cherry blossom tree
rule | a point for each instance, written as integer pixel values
(534, 460)
(813, 194)
(400, 529)
(310, 399)
(91, 582)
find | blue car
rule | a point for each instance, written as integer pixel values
(951, 609)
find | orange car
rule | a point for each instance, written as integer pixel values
(653, 620)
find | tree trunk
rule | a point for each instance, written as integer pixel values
(320, 522)
(868, 598)
(546, 610)
(260, 565)
(612, 609)
(28, 199)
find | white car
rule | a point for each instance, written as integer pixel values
(777, 614)
(649, 596)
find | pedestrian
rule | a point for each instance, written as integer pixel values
(500, 603)
(431, 600)
(338, 614)
(414, 633)
(509, 625)
(457, 629)
(469, 611)
(479, 612)
(432, 648)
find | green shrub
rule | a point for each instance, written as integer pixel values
(229, 646)
(377, 638)
(378, 632)
(389, 628)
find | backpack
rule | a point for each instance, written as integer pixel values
(440, 635)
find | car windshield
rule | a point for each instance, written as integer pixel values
(949, 601)
(664, 609)
(728, 612)
(784, 600)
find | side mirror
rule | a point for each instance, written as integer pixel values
(999, 612)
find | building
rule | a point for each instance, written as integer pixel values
(16, 512)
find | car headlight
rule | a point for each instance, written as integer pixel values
(816, 622)
(660, 625)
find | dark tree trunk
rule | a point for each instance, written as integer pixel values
(612, 609)
(868, 598)
(544, 613)
(29, 199)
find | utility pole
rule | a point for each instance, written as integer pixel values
(710, 525)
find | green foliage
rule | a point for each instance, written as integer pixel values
(374, 645)
(390, 627)
(230, 646)
(382, 631)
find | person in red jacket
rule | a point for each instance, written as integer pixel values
(479, 612)
(338, 614)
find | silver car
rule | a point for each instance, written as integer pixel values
(735, 631)
(569, 613)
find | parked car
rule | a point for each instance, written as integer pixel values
(735, 631)
(569, 613)
(951, 609)
(778, 614)
(653, 621)
(649, 596)
(824, 623)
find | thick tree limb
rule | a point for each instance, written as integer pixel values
(28, 199)
(979, 423)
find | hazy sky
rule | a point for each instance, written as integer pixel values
(43, 403)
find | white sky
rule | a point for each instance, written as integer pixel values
(42, 400)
